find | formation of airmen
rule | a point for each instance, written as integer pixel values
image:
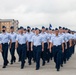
(35, 44)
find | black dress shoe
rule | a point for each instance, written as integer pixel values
(11, 63)
(58, 70)
(7, 63)
(14, 59)
(64, 62)
(47, 61)
(43, 64)
(29, 63)
(37, 68)
(22, 67)
(51, 58)
(61, 65)
(34, 60)
(4, 66)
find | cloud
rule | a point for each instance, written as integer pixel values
(46, 6)
(40, 12)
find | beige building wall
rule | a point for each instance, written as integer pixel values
(8, 23)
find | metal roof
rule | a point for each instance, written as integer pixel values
(5, 20)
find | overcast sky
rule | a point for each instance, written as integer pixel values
(37, 13)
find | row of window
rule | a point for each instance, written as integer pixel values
(5, 23)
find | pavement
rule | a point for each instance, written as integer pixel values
(48, 69)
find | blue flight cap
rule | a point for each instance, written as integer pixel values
(12, 27)
(43, 27)
(33, 29)
(64, 28)
(56, 28)
(24, 28)
(46, 28)
(21, 27)
(28, 26)
(3, 26)
(36, 29)
(60, 27)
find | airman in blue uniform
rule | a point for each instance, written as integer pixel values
(57, 43)
(38, 46)
(12, 44)
(29, 52)
(4, 38)
(21, 42)
(46, 44)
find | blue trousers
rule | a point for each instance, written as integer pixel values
(29, 53)
(22, 53)
(37, 50)
(18, 52)
(44, 53)
(12, 51)
(57, 55)
(68, 51)
(64, 55)
(5, 53)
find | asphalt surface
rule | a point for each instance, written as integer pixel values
(48, 69)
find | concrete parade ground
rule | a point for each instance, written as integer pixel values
(48, 69)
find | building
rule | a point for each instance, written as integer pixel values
(8, 23)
